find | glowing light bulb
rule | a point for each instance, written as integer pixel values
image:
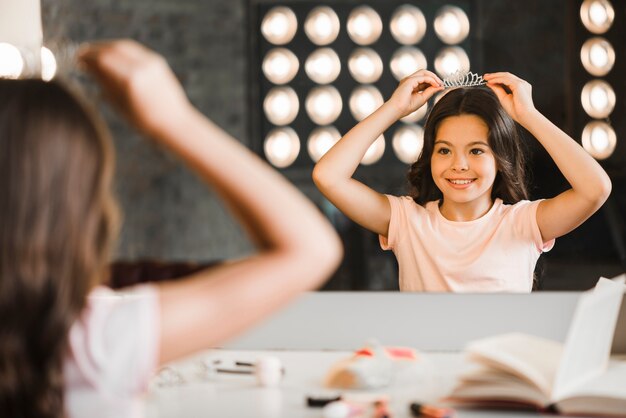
(323, 66)
(48, 64)
(281, 105)
(364, 100)
(365, 65)
(322, 25)
(364, 25)
(279, 25)
(408, 25)
(598, 99)
(450, 60)
(323, 105)
(407, 142)
(599, 139)
(405, 61)
(451, 25)
(280, 65)
(11, 61)
(281, 147)
(321, 140)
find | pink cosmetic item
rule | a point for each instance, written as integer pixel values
(341, 409)
(421, 410)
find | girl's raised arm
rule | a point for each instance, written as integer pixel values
(333, 173)
(298, 248)
(591, 185)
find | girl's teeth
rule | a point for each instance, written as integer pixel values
(460, 181)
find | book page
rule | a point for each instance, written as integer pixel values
(588, 343)
(531, 358)
(486, 385)
(604, 394)
(491, 393)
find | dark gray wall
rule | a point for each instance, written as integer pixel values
(170, 215)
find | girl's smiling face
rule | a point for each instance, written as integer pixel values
(463, 165)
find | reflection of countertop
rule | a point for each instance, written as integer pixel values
(431, 322)
(238, 396)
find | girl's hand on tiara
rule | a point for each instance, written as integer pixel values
(138, 82)
(414, 91)
(514, 94)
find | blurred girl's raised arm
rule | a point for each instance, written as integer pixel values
(297, 247)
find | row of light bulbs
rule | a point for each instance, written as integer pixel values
(364, 25)
(15, 63)
(598, 97)
(323, 103)
(282, 144)
(323, 66)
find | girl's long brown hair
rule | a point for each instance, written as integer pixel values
(57, 222)
(510, 183)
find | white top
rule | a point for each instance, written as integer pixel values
(494, 253)
(113, 353)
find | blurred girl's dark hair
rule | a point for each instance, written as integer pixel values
(57, 221)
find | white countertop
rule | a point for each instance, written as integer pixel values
(239, 396)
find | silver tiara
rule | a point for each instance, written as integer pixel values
(463, 79)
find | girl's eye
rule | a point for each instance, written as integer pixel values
(443, 151)
(477, 151)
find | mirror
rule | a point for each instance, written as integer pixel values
(171, 216)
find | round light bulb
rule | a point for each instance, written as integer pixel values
(364, 100)
(321, 140)
(598, 99)
(323, 66)
(597, 15)
(405, 61)
(408, 25)
(281, 147)
(280, 65)
(279, 25)
(11, 61)
(48, 64)
(322, 25)
(451, 60)
(599, 139)
(281, 105)
(597, 56)
(364, 25)
(451, 25)
(407, 143)
(365, 65)
(323, 105)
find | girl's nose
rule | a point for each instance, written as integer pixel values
(459, 164)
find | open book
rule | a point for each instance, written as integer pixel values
(573, 378)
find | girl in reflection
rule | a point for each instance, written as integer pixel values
(68, 345)
(467, 225)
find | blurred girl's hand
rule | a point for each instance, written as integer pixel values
(138, 81)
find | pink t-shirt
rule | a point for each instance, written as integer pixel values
(113, 353)
(494, 253)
